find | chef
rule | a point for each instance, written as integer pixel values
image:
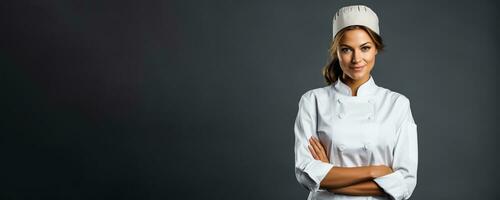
(353, 138)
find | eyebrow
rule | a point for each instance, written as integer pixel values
(359, 45)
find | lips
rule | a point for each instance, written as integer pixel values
(357, 68)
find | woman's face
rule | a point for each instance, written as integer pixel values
(356, 54)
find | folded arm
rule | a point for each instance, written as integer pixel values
(349, 180)
(367, 188)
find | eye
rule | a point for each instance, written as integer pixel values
(345, 50)
(365, 48)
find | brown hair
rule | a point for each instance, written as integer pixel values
(332, 71)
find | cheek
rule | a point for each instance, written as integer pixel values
(344, 58)
(370, 56)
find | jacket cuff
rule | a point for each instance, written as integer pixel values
(393, 184)
(316, 171)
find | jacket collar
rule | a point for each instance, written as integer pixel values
(366, 89)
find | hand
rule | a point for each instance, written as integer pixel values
(379, 170)
(317, 150)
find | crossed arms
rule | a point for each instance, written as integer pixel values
(349, 180)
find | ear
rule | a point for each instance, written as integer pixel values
(376, 51)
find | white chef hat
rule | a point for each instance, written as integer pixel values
(355, 15)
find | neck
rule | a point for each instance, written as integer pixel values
(354, 84)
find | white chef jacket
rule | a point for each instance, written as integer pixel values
(375, 127)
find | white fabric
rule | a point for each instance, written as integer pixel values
(374, 128)
(355, 15)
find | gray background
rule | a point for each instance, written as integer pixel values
(197, 99)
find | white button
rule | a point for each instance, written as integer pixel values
(370, 101)
(339, 101)
(365, 147)
(340, 115)
(341, 147)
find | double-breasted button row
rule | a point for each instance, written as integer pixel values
(342, 115)
(365, 146)
(339, 100)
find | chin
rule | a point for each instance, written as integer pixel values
(357, 75)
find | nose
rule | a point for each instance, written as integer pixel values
(355, 57)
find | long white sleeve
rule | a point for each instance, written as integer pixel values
(308, 171)
(401, 183)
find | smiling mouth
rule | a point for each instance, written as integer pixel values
(357, 68)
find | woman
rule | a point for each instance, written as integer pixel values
(354, 139)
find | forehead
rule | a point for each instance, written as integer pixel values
(355, 37)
